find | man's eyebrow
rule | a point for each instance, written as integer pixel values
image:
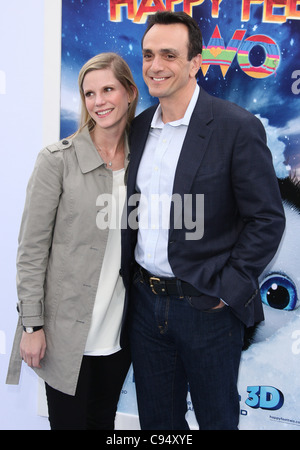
(146, 50)
(162, 51)
(169, 50)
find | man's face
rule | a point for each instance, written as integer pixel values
(166, 69)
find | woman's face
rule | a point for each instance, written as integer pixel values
(106, 99)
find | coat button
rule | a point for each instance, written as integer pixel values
(65, 142)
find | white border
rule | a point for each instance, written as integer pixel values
(52, 70)
(51, 107)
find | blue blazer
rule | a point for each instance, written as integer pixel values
(225, 157)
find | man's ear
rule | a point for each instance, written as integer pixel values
(196, 64)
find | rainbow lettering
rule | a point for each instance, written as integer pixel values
(217, 55)
(139, 12)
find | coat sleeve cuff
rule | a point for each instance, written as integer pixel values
(31, 314)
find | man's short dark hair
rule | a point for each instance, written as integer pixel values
(170, 17)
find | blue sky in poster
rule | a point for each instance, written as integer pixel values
(87, 30)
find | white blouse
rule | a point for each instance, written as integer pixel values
(104, 334)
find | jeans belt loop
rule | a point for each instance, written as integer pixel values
(179, 287)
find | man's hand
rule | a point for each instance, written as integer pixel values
(220, 305)
(33, 347)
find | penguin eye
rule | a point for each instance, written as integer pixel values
(279, 292)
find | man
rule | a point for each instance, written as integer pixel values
(194, 286)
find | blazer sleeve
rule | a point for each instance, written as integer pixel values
(258, 199)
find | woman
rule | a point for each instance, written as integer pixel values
(71, 296)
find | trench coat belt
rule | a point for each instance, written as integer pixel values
(168, 286)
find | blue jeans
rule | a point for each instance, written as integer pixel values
(175, 346)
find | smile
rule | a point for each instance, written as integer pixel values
(159, 79)
(104, 113)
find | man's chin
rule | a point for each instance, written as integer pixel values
(156, 91)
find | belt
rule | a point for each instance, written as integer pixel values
(168, 286)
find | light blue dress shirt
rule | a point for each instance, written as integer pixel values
(154, 182)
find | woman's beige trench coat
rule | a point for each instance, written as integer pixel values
(60, 255)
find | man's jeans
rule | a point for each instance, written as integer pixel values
(176, 346)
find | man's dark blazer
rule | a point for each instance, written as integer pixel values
(225, 157)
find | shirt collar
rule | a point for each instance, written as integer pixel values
(157, 120)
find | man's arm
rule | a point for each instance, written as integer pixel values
(259, 203)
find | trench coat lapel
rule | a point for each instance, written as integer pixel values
(87, 155)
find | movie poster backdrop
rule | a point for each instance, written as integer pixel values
(251, 56)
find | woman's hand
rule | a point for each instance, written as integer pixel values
(33, 347)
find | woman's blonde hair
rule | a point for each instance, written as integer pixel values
(121, 72)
